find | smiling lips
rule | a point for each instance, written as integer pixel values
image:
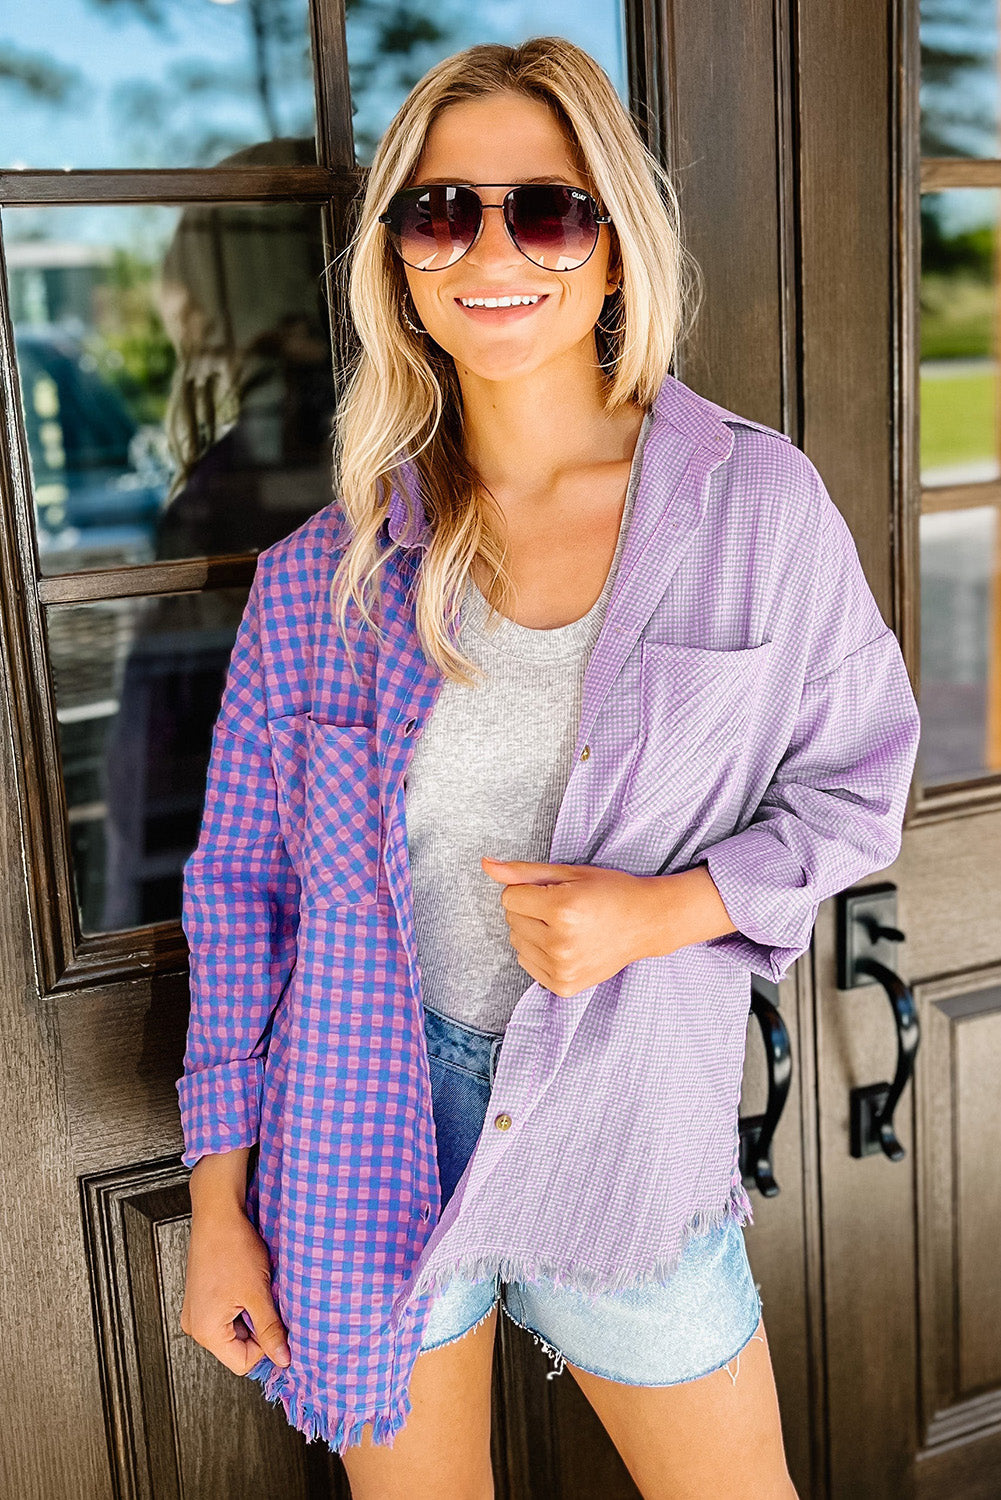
(502, 314)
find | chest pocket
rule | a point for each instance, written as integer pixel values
(693, 742)
(329, 807)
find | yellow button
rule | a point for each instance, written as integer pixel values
(503, 1122)
(585, 752)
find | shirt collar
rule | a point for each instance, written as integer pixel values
(407, 522)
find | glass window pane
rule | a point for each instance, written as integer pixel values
(959, 336)
(959, 78)
(152, 83)
(138, 683)
(960, 539)
(390, 47)
(960, 641)
(176, 377)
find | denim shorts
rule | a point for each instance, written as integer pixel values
(660, 1334)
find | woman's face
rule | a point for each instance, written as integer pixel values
(509, 139)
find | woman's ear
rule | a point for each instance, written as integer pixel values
(614, 275)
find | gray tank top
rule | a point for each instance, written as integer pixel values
(487, 777)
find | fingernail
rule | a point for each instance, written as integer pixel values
(284, 1356)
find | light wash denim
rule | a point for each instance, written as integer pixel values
(661, 1334)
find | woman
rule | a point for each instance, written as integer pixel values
(686, 694)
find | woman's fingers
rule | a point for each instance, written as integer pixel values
(228, 1304)
(269, 1332)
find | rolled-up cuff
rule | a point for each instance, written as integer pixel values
(764, 890)
(220, 1107)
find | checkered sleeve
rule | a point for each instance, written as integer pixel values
(240, 915)
(833, 811)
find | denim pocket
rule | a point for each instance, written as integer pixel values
(457, 1067)
(459, 1102)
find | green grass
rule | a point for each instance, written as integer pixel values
(958, 418)
(958, 314)
(958, 320)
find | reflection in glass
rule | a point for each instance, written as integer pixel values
(960, 539)
(151, 83)
(391, 46)
(138, 683)
(176, 376)
(960, 63)
(959, 336)
(960, 645)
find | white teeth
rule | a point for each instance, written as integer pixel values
(497, 301)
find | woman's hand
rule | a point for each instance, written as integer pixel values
(229, 1272)
(574, 925)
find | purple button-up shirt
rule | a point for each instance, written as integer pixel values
(745, 707)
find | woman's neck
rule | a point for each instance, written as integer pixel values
(527, 437)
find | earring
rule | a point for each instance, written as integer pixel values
(609, 332)
(407, 319)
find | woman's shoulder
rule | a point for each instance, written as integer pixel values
(767, 472)
(292, 582)
(304, 560)
(320, 535)
(763, 466)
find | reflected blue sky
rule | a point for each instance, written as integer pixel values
(382, 76)
(960, 93)
(104, 87)
(159, 83)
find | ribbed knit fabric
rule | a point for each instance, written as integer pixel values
(486, 777)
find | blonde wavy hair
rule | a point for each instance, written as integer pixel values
(401, 399)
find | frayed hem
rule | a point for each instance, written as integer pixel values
(554, 1354)
(591, 1282)
(315, 1422)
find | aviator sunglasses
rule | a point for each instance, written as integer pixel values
(553, 226)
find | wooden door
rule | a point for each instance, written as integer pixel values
(899, 150)
(176, 189)
(795, 136)
(863, 320)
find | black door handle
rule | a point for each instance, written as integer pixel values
(757, 1131)
(868, 934)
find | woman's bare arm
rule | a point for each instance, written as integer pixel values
(218, 1182)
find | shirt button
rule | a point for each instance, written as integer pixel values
(410, 726)
(585, 753)
(425, 1211)
(503, 1122)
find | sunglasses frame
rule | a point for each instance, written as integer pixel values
(599, 218)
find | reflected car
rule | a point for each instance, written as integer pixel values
(95, 468)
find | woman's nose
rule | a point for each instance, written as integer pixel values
(493, 238)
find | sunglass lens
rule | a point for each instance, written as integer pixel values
(431, 227)
(552, 225)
